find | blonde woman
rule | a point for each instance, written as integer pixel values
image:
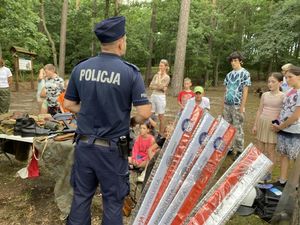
(159, 86)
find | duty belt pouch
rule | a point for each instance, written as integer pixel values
(123, 147)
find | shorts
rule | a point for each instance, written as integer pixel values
(288, 144)
(158, 103)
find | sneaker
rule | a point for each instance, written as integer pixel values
(141, 177)
(279, 184)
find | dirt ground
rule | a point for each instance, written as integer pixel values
(31, 202)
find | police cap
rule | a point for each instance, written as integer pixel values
(110, 29)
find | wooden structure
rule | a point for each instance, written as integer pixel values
(21, 63)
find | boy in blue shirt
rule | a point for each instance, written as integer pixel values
(237, 83)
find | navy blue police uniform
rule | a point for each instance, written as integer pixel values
(106, 87)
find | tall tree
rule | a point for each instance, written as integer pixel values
(117, 7)
(63, 35)
(106, 9)
(181, 46)
(43, 18)
(153, 30)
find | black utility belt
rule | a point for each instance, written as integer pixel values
(105, 142)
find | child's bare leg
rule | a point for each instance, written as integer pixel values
(284, 165)
(161, 118)
(271, 154)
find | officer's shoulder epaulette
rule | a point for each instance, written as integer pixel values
(82, 60)
(132, 65)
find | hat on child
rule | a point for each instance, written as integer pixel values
(199, 89)
(110, 29)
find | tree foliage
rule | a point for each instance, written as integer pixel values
(266, 31)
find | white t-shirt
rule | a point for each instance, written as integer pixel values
(204, 104)
(290, 102)
(4, 74)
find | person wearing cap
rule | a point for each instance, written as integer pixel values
(199, 98)
(101, 91)
(237, 83)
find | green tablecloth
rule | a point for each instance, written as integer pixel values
(56, 160)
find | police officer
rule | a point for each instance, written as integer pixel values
(101, 91)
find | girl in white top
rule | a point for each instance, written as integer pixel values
(159, 85)
(5, 82)
(269, 109)
(288, 143)
(288, 127)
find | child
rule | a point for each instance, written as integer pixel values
(61, 97)
(185, 94)
(199, 98)
(284, 86)
(153, 152)
(237, 82)
(288, 138)
(269, 109)
(143, 142)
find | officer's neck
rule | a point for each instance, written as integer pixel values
(112, 51)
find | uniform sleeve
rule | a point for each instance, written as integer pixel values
(72, 91)
(139, 95)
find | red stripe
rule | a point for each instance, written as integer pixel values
(214, 201)
(203, 179)
(180, 150)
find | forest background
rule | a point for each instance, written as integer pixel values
(266, 31)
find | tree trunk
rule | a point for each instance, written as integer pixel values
(297, 50)
(117, 7)
(94, 41)
(63, 34)
(54, 53)
(106, 9)
(216, 77)
(77, 4)
(151, 42)
(270, 68)
(213, 23)
(206, 78)
(181, 46)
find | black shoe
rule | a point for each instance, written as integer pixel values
(279, 184)
(21, 122)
